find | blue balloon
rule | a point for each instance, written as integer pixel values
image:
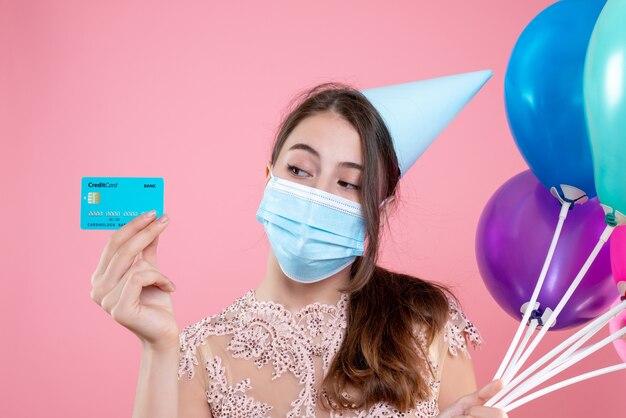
(543, 89)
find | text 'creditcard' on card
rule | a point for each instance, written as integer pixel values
(111, 202)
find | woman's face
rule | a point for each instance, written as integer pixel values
(323, 151)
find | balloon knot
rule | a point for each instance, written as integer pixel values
(537, 315)
(610, 219)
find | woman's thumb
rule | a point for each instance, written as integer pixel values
(488, 391)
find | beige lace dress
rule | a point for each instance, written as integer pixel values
(257, 359)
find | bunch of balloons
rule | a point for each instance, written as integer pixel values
(565, 97)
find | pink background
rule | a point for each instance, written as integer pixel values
(192, 91)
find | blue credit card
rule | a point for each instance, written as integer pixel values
(110, 202)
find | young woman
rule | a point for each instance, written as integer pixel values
(327, 332)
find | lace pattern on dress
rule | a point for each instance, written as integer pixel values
(268, 334)
(229, 401)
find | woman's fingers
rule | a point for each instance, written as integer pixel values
(102, 283)
(128, 308)
(128, 285)
(140, 267)
(488, 391)
(472, 404)
(124, 257)
(125, 254)
(483, 394)
(118, 238)
(480, 411)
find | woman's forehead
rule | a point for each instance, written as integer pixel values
(326, 136)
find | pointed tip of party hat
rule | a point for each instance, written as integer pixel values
(417, 112)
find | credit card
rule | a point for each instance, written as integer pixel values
(111, 202)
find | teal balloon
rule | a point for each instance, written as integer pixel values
(543, 88)
(605, 103)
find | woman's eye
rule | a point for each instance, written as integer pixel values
(293, 167)
(349, 185)
(296, 170)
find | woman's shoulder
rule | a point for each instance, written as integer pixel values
(446, 320)
(459, 331)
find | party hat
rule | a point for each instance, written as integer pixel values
(417, 112)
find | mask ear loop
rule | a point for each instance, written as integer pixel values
(271, 174)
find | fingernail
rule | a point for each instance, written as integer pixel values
(163, 219)
(149, 214)
(173, 285)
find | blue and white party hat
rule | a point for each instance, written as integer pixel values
(417, 112)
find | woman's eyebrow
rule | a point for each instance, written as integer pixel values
(312, 150)
(306, 148)
(349, 164)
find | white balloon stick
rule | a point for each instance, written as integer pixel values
(533, 299)
(567, 353)
(562, 384)
(584, 334)
(539, 378)
(568, 294)
(520, 349)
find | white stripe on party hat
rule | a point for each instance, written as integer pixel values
(417, 112)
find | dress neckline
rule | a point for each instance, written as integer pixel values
(315, 307)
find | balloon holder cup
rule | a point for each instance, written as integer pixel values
(621, 287)
(566, 193)
(542, 318)
(613, 217)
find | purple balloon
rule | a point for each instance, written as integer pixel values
(513, 239)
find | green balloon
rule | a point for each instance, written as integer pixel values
(604, 91)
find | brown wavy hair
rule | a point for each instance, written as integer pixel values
(380, 356)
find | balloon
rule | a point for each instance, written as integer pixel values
(605, 104)
(616, 324)
(513, 237)
(543, 90)
(618, 257)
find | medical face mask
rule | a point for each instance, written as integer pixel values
(313, 233)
